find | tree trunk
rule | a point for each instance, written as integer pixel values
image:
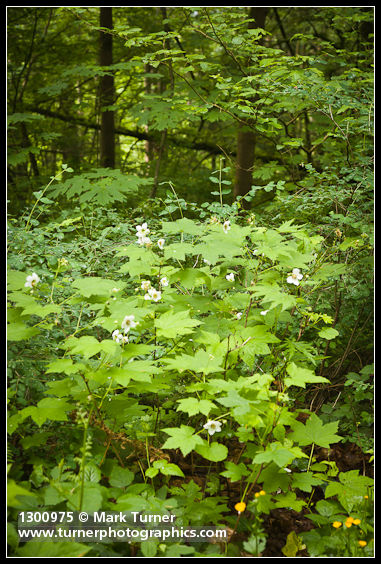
(246, 138)
(106, 92)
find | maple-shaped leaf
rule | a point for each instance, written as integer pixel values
(200, 362)
(192, 406)
(183, 438)
(315, 432)
(234, 472)
(298, 376)
(282, 455)
(171, 324)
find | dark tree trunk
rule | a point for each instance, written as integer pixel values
(26, 143)
(106, 92)
(246, 138)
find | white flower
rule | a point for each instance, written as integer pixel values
(230, 277)
(146, 285)
(226, 226)
(129, 323)
(142, 230)
(155, 295)
(144, 241)
(294, 277)
(239, 315)
(115, 290)
(264, 312)
(32, 280)
(117, 336)
(207, 262)
(160, 243)
(212, 427)
(164, 281)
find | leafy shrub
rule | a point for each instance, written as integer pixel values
(167, 365)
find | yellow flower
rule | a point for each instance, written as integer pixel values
(356, 521)
(362, 543)
(256, 494)
(336, 524)
(241, 506)
(349, 522)
(262, 492)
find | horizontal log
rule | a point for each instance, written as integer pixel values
(135, 133)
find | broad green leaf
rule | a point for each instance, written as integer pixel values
(178, 251)
(95, 286)
(130, 501)
(149, 548)
(298, 376)
(121, 477)
(182, 437)
(275, 296)
(218, 244)
(92, 497)
(293, 545)
(13, 491)
(191, 277)
(54, 409)
(290, 501)
(168, 468)
(328, 333)
(92, 473)
(53, 550)
(141, 260)
(192, 406)
(315, 432)
(350, 489)
(20, 332)
(234, 472)
(86, 346)
(183, 225)
(16, 279)
(102, 186)
(171, 324)
(65, 365)
(305, 481)
(280, 454)
(215, 452)
(137, 370)
(202, 362)
(41, 310)
(328, 270)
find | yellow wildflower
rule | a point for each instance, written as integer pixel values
(241, 506)
(356, 521)
(349, 522)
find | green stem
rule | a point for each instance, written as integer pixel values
(83, 461)
(310, 458)
(40, 196)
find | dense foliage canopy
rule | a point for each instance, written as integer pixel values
(190, 275)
